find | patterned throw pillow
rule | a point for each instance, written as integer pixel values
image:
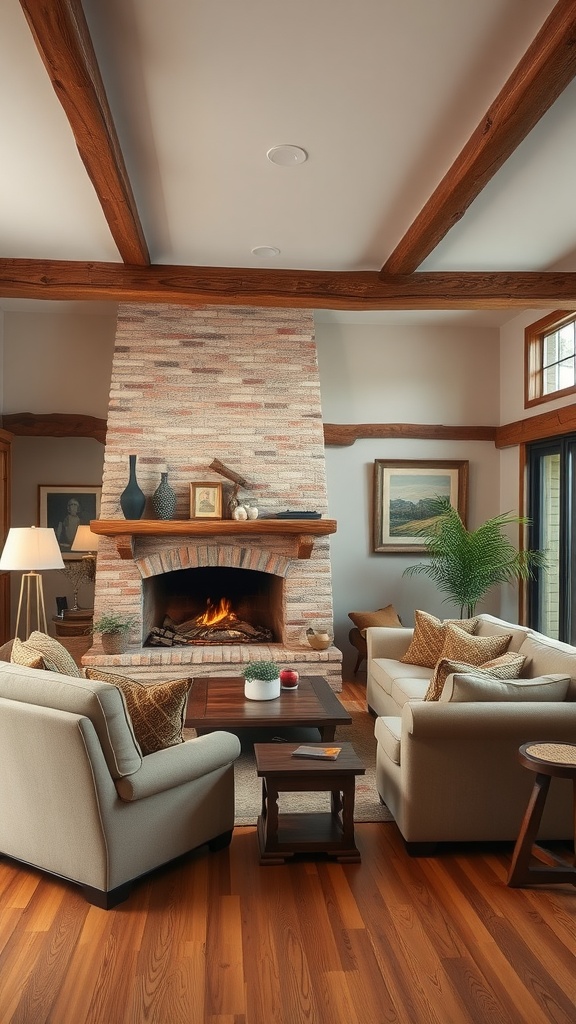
(473, 649)
(383, 617)
(22, 654)
(429, 636)
(462, 652)
(56, 658)
(507, 666)
(157, 711)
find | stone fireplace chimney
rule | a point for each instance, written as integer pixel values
(240, 385)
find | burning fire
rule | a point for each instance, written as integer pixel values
(216, 612)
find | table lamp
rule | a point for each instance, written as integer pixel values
(84, 570)
(86, 541)
(30, 549)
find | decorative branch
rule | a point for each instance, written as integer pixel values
(223, 470)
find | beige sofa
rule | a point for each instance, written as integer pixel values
(79, 800)
(448, 770)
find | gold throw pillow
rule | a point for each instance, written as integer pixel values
(55, 657)
(157, 711)
(462, 649)
(429, 636)
(382, 617)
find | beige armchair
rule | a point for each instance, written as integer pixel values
(79, 800)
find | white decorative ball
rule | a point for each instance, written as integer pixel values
(240, 513)
(252, 512)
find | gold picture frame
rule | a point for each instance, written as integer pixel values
(401, 486)
(206, 500)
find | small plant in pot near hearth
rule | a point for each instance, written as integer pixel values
(114, 629)
(262, 680)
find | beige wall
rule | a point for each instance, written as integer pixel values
(402, 374)
(56, 361)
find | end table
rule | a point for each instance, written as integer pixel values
(281, 836)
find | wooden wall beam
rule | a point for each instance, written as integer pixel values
(55, 424)
(533, 428)
(537, 428)
(342, 434)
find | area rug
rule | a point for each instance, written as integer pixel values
(360, 733)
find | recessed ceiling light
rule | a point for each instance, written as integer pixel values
(265, 250)
(287, 156)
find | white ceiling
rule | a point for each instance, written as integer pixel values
(382, 94)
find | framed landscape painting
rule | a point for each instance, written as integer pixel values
(402, 490)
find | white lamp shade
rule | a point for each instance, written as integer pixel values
(31, 548)
(84, 540)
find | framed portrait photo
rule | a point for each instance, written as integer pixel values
(402, 489)
(65, 508)
(206, 501)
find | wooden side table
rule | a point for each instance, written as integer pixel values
(549, 760)
(281, 836)
(74, 632)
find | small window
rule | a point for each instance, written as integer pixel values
(550, 358)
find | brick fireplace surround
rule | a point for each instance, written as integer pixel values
(238, 384)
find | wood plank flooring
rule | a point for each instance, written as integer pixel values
(217, 939)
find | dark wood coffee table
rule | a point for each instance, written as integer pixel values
(218, 702)
(281, 836)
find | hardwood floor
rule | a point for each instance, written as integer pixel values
(217, 939)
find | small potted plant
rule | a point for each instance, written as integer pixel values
(262, 680)
(114, 629)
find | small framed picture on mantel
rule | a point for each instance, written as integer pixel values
(205, 501)
(402, 488)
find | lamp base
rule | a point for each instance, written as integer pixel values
(31, 589)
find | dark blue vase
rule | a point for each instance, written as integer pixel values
(132, 499)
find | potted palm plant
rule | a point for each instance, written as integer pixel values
(465, 564)
(114, 629)
(262, 680)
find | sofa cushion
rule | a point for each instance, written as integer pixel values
(385, 671)
(544, 655)
(157, 710)
(382, 617)
(56, 657)
(429, 637)
(460, 688)
(406, 688)
(388, 732)
(102, 703)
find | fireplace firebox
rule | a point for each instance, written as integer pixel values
(215, 604)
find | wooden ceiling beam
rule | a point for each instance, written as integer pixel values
(296, 289)
(63, 40)
(547, 67)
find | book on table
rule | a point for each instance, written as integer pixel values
(322, 753)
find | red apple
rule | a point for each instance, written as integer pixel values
(288, 678)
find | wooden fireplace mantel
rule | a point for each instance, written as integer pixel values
(302, 532)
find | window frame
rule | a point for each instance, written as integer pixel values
(534, 355)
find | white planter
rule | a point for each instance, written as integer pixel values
(262, 689)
